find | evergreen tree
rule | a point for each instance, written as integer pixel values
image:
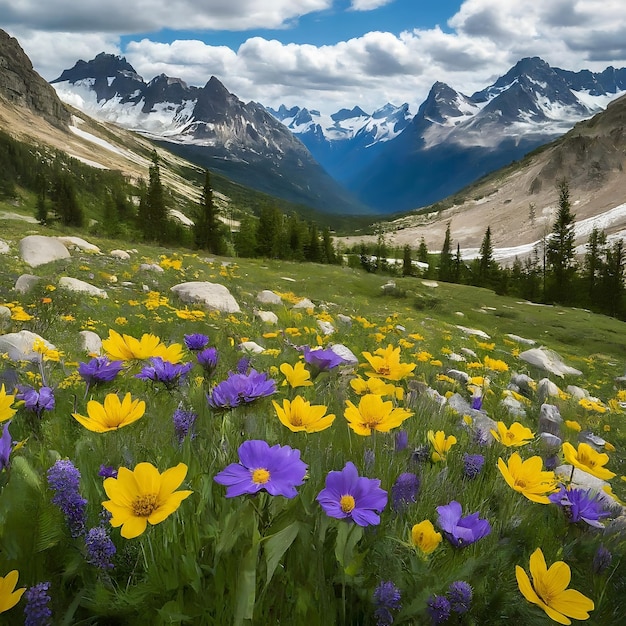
(594, 262)
(65, 201)
(270, 232)
(110, 218)
(422, 252)
(381, 251)
(457, 265)
(42, 209)
(407, 262)
(246, 239)
(486, 263)
(612, 281)
(560, 249)
(328, 250)
(312, 250)
(296, 235)
(445, 257)
(153, 210)
(207, 228)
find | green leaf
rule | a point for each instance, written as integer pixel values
(50, 528)
(31, 477)
(348, 536)
(246, 580)
(276, 545)
(171, 614)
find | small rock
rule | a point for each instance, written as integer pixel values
(305, 303)
(19, 346)
(90, 342)
(78, 243)
(550, 420)
(4, 247)
(26, 282)
(267, 316)
(151, 267)
(213, 295)
(549, 361)
(251, 347)
(120, 254)
(37, 250)
(345, 353)
(344, 319)
(473, 331)
(73, 284)
(326, 327)
(268, 297)
(546, 389)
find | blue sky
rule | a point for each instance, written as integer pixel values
(323, 54)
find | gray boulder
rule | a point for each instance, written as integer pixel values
(212, 295)
(37, 250)
(268, 297)
(549, 361)
(26, 282)
(73, 284)
(19, 346)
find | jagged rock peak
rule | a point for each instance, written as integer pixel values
(346, 114)
(21, 85)
(101, 66)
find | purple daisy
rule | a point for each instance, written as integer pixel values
(196, 341)
(277, 469)
(240, 389)
(580, 505)
(99, 370)
(170, 374)
(208, 358)
(461, 531)
(348, 495)
(36, 401)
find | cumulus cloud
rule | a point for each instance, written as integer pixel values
(481, 42)
(118, 16)
(368, 5)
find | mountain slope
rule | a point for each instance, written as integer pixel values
(519, 202)
(209, 126)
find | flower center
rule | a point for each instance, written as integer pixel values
(385, 370)
(144, 505)
(347, 503)
(296, 419)
(520, 483)
(260, 476)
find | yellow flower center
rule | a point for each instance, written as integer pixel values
(296, 419)
(347, 503)
(145, 505)
(260, 476)
(385, 370)
(520, 483)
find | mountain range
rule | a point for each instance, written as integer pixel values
(388, 161)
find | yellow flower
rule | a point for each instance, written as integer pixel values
(486, 346)
(422, 356)
(377, 387)
(374, 414)
(143, 495)
(592, 405)
(127, 348)
(6, 411)
(9, 595)
(573, 425)
(299, 415)
(549, 590)
(19, 315)
(495, 364)
(528, 478)
(296, 376)
(514, 436)
(385, 363)
(588, 460)
(441, 444)
(111, 415)
(425, 537)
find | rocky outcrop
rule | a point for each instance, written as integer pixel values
(22, 86)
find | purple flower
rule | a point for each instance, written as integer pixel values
(580, 504)
(461, 531)
(6, 445)
(278, 470)
(348, 495)
(601, 560)
(386, 599)
(438, 609)
(99, 548)
(196, 341)
(183, 424)
(404, 491)
(170, 374)
(99, 370)
(107, 471)
(243, 365)
(401, 440)
(472, 464)
(36, 401)
(460, 596)
(477, 403)
(37, 612)
(240, 389)
(322, 360)
(208, 360)
(421, 454)
(64, 480)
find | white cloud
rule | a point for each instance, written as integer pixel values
(482, 41)
(368, 5)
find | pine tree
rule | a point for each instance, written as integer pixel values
(407, 262)
(445, 257)
(486, 264)
(207, 228)
(328, 250)
(270, 232)
(153, 210)
(422, 252)
(246, 239)
(457, 265)
(65, 201)
(312, 250)
(560, 249)
(612, 281)
(594, 262)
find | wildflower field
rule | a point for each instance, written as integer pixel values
(383, 457)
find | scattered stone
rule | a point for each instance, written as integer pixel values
(549, 361)
(457, 358)
(213, 295)
(5, 312)
(461, 376)
(26, 282)
(459, 313)
(430, 283)
(546, 389)
(78, 244)
(528, 342)
(251, 347)
(19, 346)
(482, 425)
(345, 353)
(37, 250)
(344, 319)
(513, 406)
(151, 267)
(550, 420)
(523, 382)
(388, 287)
(90, 342)
(596, 442)
(267, 316)
(73, 284)
(305, 303)
(473, 331)
(120, 254)
(326, 327)
(578, 393)
(268, 297)
(291, 280)
(551, 442)
(4, 247)
(469, 352)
